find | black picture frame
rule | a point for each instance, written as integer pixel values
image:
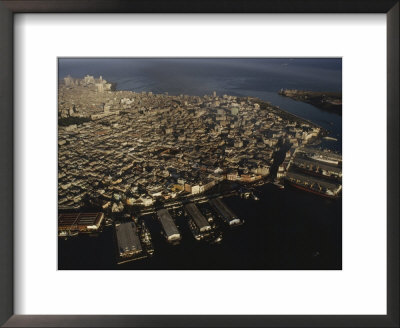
(10, 7)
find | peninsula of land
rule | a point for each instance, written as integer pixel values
(329, 101)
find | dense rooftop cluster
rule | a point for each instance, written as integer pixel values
(124, 148)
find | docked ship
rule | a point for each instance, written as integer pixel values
(195, 230)
(316, 171)
(325, 159)
(217, 239)
(212, 236)
(68, 233)
(315, 189)
(278, 184)
(330, 138)
(146, 239)
(109, 222)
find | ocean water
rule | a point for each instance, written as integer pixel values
(198, 76)
(286, 229)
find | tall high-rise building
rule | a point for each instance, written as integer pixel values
(68, 80)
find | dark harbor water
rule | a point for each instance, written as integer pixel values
(287, 228)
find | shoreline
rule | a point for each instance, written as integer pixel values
(324, 132)
(327, 101)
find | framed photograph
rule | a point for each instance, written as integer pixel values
(212, 164)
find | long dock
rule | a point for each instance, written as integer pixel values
(168, 224)
(201, 222)
(180, 203)
(226, 213)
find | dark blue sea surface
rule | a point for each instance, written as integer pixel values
(198, 76)
(285, 229)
